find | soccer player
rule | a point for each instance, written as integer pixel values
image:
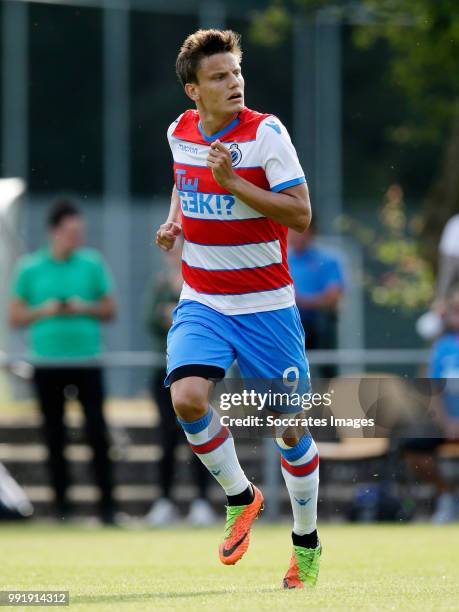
(238, 188)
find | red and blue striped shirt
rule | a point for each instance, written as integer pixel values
(234, 258)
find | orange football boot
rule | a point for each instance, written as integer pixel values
(304, 568)
(239, 520)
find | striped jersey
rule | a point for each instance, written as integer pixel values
(234, 258)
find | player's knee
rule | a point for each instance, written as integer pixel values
(190, 403)
(292, 435)
(291, 439)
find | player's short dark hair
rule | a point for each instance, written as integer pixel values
(61, 209)
(201, 44)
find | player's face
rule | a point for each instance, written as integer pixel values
(220, 87)
(70, 233)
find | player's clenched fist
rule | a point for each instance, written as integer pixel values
(167, 234)
(219, 160)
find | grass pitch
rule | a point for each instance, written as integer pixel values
(370, 567)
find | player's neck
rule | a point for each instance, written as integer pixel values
(212, 124)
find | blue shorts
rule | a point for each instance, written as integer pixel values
(266, 345)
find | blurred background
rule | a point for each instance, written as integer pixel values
(369, 93)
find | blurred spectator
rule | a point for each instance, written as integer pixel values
(164, 296)
(319, 283)
(62, 293)
(421, 452)
(448, 271)
(430, 325)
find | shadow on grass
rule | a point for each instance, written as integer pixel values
(115, 597)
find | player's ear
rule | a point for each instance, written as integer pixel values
(192, 91)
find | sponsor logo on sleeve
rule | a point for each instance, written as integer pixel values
(274, 126)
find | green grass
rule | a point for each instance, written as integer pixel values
(363, 568)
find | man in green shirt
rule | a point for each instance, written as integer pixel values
(63, 293)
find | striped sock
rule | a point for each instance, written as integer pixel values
(300, 465)
(214, 445)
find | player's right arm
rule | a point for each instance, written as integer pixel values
(168, 231)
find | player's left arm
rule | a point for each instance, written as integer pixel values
(290, 207)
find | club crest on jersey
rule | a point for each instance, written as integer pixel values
(236, 154)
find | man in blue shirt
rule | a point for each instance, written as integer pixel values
(319, 283)
(421, 453)
(445, 364)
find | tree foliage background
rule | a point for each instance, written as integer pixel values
(423, 37)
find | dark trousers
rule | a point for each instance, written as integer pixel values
(51, 386)
(171, 434)
(321, 333)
